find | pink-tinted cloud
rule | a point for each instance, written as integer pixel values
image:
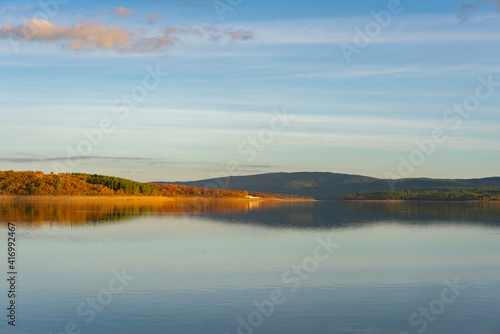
(123, 12)
(95, 35)
(87, 36)
(80, 36)
(154, 44)
(243, 35)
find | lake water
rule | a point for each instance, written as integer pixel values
(235, 267)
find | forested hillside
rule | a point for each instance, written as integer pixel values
(38, 183)
(443, 194)
(328, 186)
(173, 190)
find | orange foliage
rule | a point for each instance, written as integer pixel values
(38, 183)
(173, 190)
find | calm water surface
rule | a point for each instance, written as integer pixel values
(233, 267)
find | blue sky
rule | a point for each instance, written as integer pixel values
(65, 69)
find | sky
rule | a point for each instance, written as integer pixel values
(177, 90)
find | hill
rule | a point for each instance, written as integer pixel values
(37, 183)
(325, 186)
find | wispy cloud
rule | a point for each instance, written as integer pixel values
(123, 12)
(241, 34)
(153, 17)
(469, 9)
(89, 157)
(216, 33)
(408, 71)
(23, 8)
(95, 35)
(190, 3)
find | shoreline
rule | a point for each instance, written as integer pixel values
(413, 201)
(71, 198)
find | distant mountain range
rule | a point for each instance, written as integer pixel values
(325, 186)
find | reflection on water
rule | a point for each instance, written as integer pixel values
(199, 266)
(276, 214)
(486, 212)
(81, 211)
(339, 214)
